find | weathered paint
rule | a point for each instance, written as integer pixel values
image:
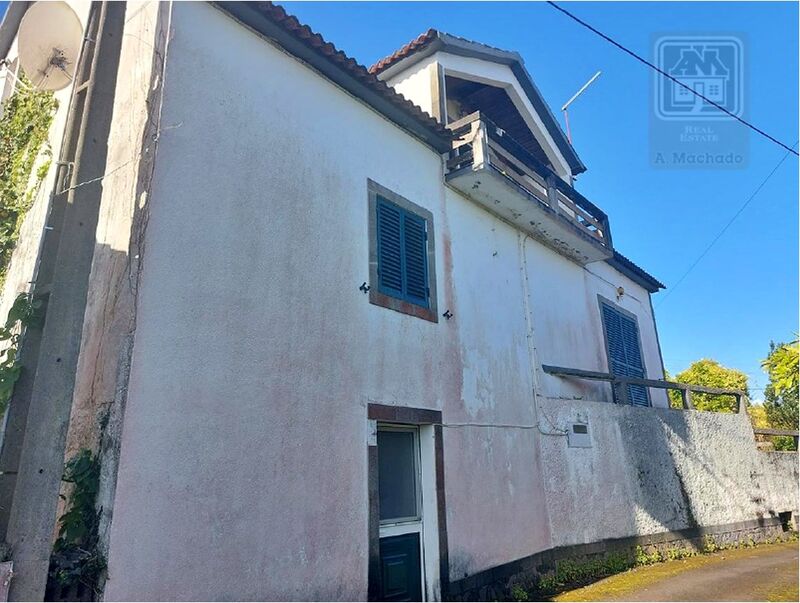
(266, 251)
(243, 458)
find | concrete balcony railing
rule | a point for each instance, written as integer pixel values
(494, 170)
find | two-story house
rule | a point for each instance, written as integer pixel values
(307, 314)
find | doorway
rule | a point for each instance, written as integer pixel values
(408, 558)
(401, 513)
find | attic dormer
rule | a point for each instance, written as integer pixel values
(508, 152)
(450, 78)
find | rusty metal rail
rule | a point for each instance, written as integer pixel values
(620, 387)
(619, 384)
(778, 432)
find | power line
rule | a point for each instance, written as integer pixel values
(668, 76)
(725, 228)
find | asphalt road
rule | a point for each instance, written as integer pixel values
(765, 573)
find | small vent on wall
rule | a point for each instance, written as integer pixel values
(579, 436)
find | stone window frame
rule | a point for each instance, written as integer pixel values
(378, 298)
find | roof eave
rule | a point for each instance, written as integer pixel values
(249, 15)
(626, 267)
(466, 48)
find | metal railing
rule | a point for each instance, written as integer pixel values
(620, 386)
(478, 141)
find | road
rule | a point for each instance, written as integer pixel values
(764, 573)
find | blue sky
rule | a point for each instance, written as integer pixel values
(745, 290)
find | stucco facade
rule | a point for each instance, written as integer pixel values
(227, 338)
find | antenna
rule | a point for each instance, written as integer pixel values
(574, 96)
(49, 41)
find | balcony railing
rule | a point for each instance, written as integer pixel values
(479, 144)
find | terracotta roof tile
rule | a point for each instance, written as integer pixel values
(318, 44)
(417, 43)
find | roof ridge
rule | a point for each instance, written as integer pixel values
(421, 40)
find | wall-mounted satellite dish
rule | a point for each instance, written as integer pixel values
(49, 41)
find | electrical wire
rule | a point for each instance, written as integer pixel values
(671, 290)
(668, 76)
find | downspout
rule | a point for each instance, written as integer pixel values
(535, 385)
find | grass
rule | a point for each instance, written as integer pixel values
(620, 585)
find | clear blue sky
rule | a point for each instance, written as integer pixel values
(744, 292)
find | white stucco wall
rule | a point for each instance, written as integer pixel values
(415, 83)
(243, 463)
(243, 467)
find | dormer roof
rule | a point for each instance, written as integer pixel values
(433, 41)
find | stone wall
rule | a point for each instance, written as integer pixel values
(651, 470)
(653, 480)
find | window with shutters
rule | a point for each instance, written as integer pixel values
(624, 349)
(401, 254)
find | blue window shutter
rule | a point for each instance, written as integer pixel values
(390, 248)
(625, 356)
(402, 245)
(415, 250)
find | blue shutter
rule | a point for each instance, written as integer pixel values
(633, 355)
(624, 354)
(390, 248)
(415, 258)
(402, 244)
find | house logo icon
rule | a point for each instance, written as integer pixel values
(709, 66)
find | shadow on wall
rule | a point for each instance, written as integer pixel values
(651, 470)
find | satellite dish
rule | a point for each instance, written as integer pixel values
(49, 41)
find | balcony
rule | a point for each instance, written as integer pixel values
(492, 169)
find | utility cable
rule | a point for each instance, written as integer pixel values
(724, 229)
(668, 76)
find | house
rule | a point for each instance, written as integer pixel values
(334, 333)
(701, 70)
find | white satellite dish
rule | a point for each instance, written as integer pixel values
(49, 41)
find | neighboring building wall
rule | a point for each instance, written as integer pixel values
(109, 321)
(22, 268)
(22, 271)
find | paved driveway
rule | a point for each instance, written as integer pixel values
(764, 573)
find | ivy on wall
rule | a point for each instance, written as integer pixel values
(24, 124)
(77, 564)
(22, 314)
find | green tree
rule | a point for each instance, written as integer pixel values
(710, 373)
(781, 393)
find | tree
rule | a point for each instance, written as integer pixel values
(781, 393)
(710, 373)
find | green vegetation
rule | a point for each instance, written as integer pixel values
(25, 121)
(781, 393)
(709, 373)
(622, 585)
(21, 314)
(569, 573)
(76, 560)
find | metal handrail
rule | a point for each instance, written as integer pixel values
(620, 384)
